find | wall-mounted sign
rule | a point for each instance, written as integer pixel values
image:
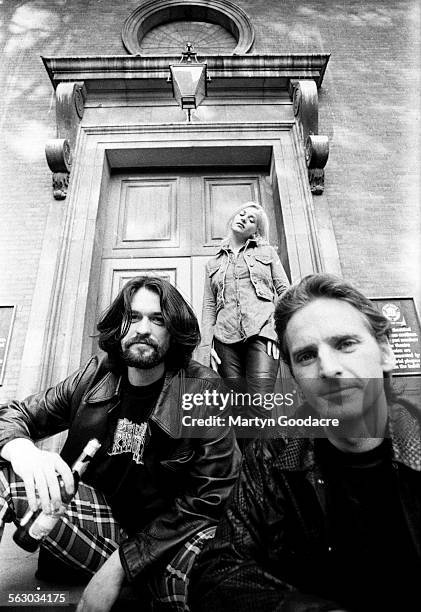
(7, 316)
(406, 333)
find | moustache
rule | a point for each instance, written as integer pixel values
(143, 340)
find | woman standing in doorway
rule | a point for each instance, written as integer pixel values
(242, 283)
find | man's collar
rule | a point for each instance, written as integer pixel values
(166, 413)
(107, 388)
(405, 432)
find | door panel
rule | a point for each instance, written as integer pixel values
(145, 216)
(148, 214)
(222, 196)
(115, 273)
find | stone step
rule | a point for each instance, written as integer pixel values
(17, 575)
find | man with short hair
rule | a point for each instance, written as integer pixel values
(149, 494)
(333, 522)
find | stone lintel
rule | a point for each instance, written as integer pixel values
(138, 68)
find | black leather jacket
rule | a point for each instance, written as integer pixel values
(272, 545)
(202, 471)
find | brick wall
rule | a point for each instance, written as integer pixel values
(369, 108)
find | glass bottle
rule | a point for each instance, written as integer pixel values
(36, 525)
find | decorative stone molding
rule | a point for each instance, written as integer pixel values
(317, 151)
(59, 159)
(70, 99)
(306, 110)
(116, 70)
(155, 12)
(58, 153)
(60, 185)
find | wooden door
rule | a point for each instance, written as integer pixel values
(169, 224)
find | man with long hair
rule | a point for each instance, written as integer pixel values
(150, 497)
(326, 522)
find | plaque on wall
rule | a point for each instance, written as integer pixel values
(7, 316)
(406, 333)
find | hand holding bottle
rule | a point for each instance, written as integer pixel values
(39, 470)
(38, 524)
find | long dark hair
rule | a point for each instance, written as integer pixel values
(178, 316)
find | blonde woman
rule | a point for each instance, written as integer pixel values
(242, 282)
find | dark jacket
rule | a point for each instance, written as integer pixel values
(272, 545)
(203, 471)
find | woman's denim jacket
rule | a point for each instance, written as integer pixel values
(267, 281)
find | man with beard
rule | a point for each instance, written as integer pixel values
(149, 497)
(333, 522)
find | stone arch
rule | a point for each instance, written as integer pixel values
(157, 12)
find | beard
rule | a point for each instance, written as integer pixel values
(143, 356)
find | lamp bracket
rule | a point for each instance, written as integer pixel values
(189, 54)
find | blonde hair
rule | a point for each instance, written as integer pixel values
(262, 221)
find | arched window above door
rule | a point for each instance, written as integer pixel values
(162, 27)
(171, 38)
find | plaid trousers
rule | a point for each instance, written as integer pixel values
(88, 534)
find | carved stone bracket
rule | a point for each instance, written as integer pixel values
(59, 159)
(306, 110)
(70, 99)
